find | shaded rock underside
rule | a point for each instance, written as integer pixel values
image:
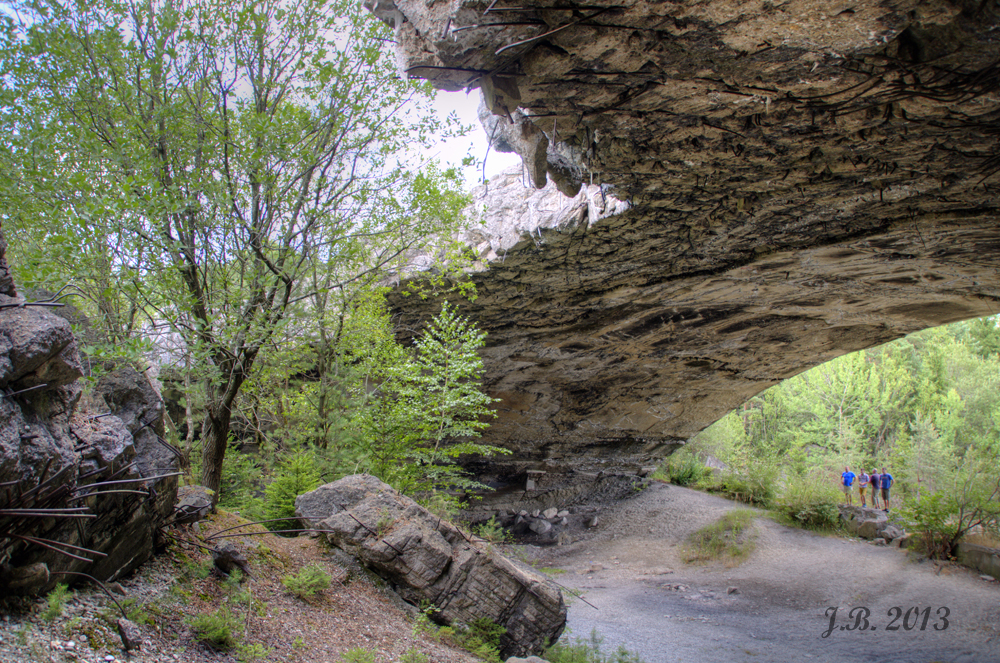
(804, 179)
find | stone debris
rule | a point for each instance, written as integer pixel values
(540, 526)
(130, 634)
(870, 524)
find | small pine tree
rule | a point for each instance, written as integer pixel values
(297, 475)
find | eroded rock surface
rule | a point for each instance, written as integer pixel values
(803, 180)
(430, 560)
(72, 493)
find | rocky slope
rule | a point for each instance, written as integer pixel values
(802, 180)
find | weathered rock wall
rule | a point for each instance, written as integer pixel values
(72, 494)
(803, 180)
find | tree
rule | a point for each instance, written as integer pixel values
(212, 155)
(428, 407)
(968, 496)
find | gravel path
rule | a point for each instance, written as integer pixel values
(668, 611)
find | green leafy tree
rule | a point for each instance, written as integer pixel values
(205, 157)
(428, 408)
(296, 476)
(968, 497)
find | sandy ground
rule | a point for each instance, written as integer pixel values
(648, 599)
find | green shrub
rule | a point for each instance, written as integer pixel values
(492, 531)
(56, 602)
(249, 653)
(414, 656)
(747, 488)
(358, 655)
(683, 469)
(481, 638)
(812, 505)
(307, 582)
(218, 629)
(730, 540)
(588, 651)
(931, 517)
(297, 475)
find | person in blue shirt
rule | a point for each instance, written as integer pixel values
(885, 483)
(848, 479)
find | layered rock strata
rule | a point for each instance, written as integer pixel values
(72, 493)
(802, 180)
(429, 560)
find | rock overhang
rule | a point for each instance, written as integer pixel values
(801, 180)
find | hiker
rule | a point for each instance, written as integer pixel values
(862, 487)
(885, 483)
(873, 481)
(848, 479)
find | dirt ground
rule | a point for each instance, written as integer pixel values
(774, 606)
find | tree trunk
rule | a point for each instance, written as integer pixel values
(215, 437)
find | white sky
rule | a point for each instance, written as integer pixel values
(452, 151)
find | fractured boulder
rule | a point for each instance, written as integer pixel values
(83, 468)
(430, 560)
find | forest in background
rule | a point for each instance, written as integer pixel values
(925, 407)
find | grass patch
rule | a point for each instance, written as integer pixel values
(683, 469)
(588, 650)
(307, 582)
(56, 602)
(810, 505)
(729, 540)
(550, 570)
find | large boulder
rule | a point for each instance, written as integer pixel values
(430, 560)
(132, 397)
(84, 468)
(869, 523)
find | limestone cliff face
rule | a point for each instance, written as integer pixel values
(802, 180)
